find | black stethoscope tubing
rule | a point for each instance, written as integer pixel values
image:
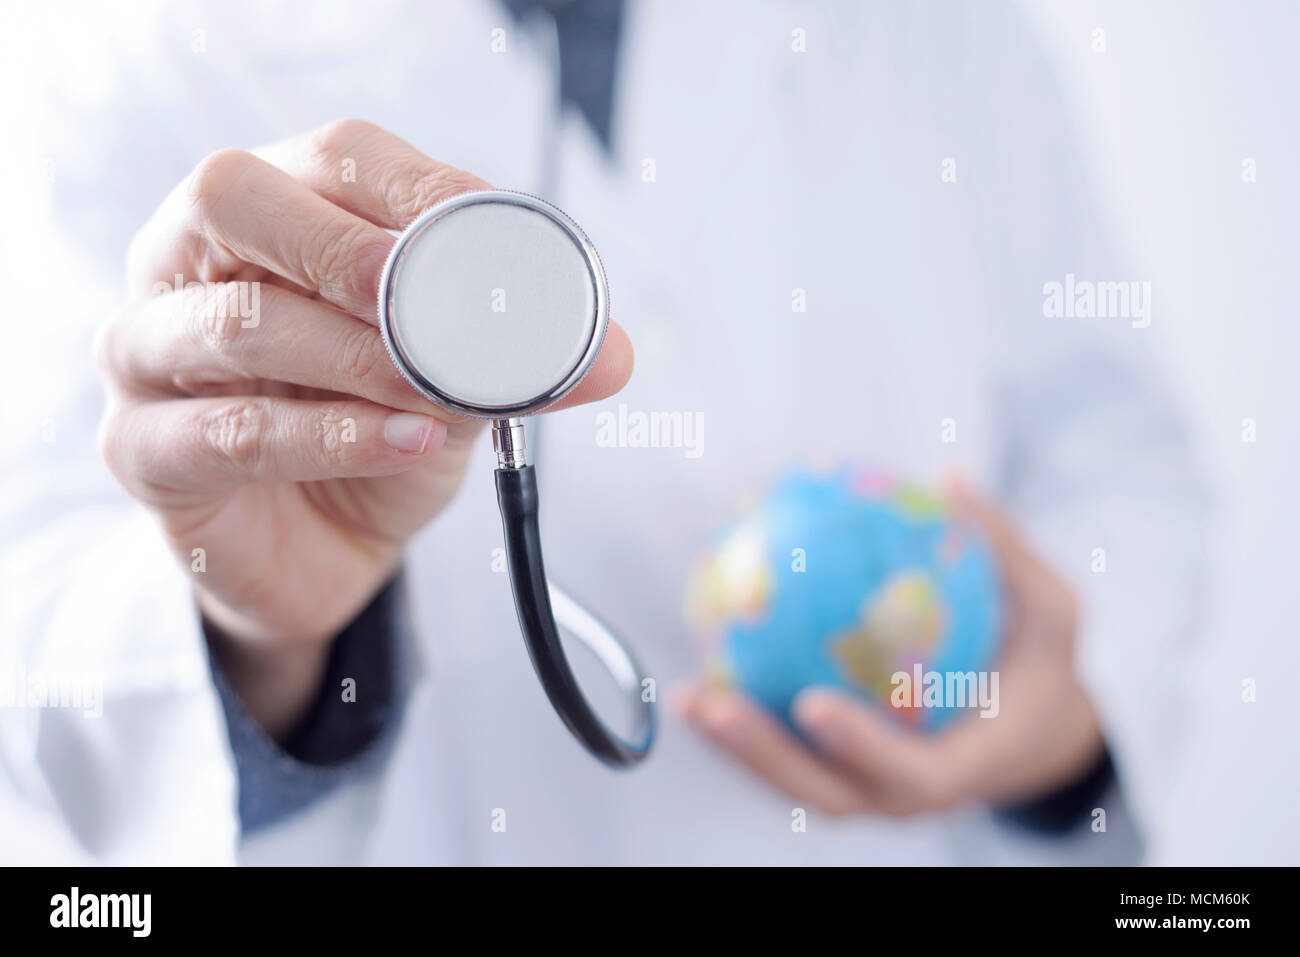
(535, 599)
(518, 500)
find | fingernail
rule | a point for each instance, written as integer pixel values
(811, 705)
(815, 716)
(407, 431)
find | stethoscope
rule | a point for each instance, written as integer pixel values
(494, 304)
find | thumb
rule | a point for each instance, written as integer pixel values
(897, 766)
(1016, 559)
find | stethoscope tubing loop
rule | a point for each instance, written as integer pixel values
(518, 500)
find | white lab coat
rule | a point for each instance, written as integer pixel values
(743, 171)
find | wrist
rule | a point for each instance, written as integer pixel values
(279, 615)
(274, 680)
(277, 670)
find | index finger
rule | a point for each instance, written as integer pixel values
(369, 171)
(238, 210)
(1016, 559)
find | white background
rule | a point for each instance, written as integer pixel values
(1182, 94)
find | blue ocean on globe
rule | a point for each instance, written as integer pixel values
(845, 578)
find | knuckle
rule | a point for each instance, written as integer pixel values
(335, 432)
(363, 353)
(336, 137)
(217, 315)
(332, 250)
(237, 432)
(409, 192)
(214, 176)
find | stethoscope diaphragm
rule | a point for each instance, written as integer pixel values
(494, 304)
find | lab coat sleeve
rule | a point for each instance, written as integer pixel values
(128, 764)
(1107, 489)
(1095, 462)
(91, 600)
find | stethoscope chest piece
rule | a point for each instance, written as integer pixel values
(494, 304)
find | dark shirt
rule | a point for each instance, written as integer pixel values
(347, 732)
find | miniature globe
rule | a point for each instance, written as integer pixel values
(854, 580)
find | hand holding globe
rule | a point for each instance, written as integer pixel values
(795, 690)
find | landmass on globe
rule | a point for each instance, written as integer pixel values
(845, 578)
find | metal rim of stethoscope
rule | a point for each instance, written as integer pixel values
(393, 340)
(541, 607)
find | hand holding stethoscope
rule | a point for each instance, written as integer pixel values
(253, 410)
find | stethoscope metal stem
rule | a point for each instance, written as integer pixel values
(509, 443)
